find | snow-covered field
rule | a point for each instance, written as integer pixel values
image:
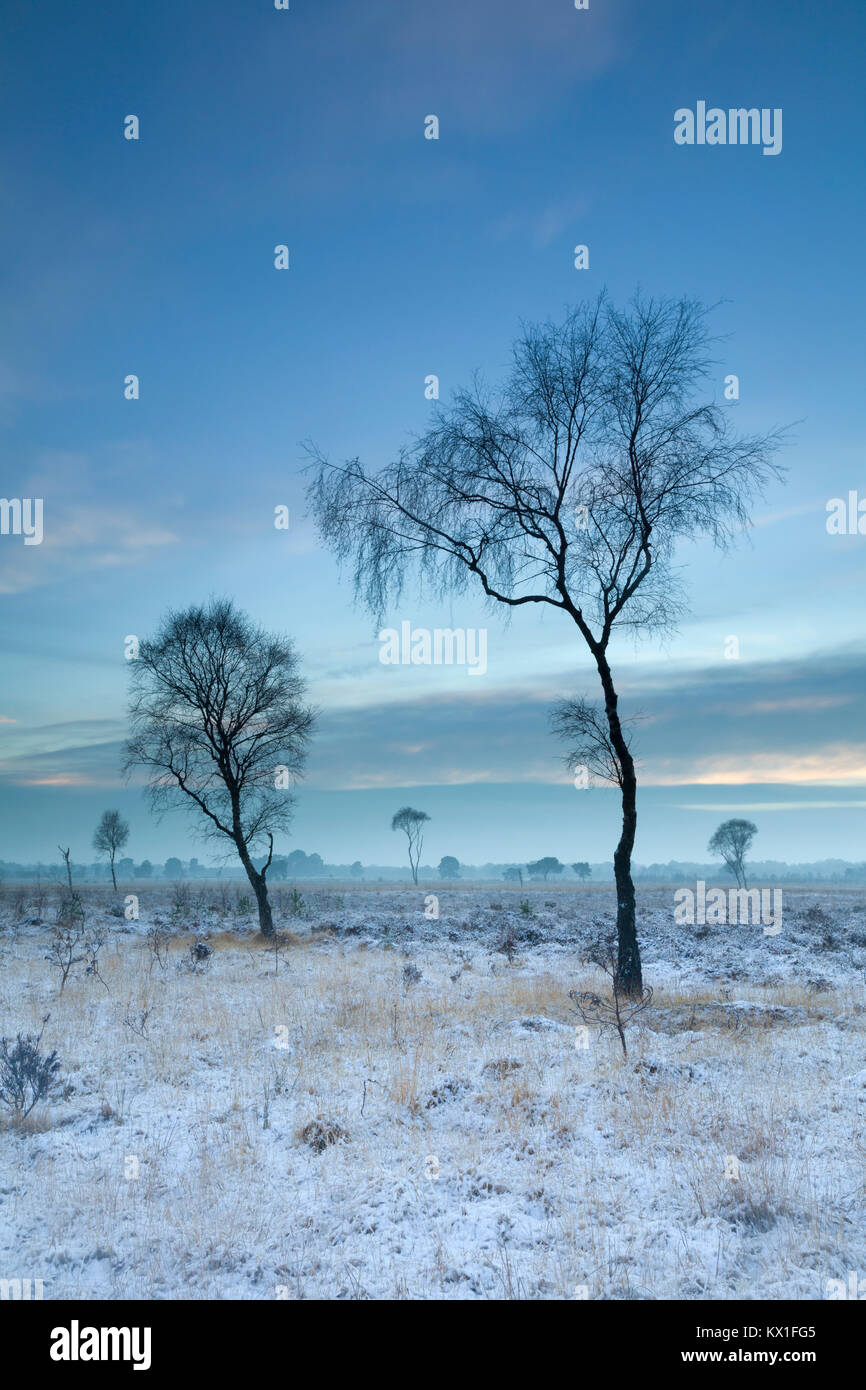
(319, 1122)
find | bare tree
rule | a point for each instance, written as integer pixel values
(110, 835)
(411, 822)
(65, 853)
(218, 720)
(612, 1012)
(584, 729)
(570, 487)
(732, 841)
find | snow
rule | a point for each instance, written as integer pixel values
(479, 1151)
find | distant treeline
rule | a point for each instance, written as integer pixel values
(299, 865)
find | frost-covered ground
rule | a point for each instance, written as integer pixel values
(321, 1123)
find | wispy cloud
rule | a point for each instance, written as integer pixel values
(79, 539)
(724, 726)
(542, 227)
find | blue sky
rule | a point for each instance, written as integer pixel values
(410, 257)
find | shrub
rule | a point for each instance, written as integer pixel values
(297, 906)
(507, 943)
(199, 957)
(26, 1075)
(501, 1067)
(321, 1132)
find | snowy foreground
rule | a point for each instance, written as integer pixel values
(318, 1122)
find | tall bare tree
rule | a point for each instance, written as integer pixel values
(218, 720)
(110, 835)
(412, 823)
(569, 487)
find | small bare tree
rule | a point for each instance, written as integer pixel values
(159, 942)
(620, 1008)
(110, 835)
(411, 822)
(71, 943)
(732, 841)
(218, 722)
(570, 487)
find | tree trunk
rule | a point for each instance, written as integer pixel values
(260, 888)
(628, 968)
(258, 883)
(113, 879)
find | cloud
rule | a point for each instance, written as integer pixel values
(830, 763)
(80, 539)
(485, 68)
(807, 703)
(541, 228)
(72, 754)
(793, 723)
(69, 779)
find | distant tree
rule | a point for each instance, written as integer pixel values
(301, 865)
(582, 870)
(65, 853)
(411, 822)
(219, 722)
(543, 868)
(145, 869)
(571, 486)
(110, 835)
(357, 869)
(513, 874)
(125, 867)
(296, 864)
(173, 868)
(732, 841)
(449, 867)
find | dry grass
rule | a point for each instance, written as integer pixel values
(324, 1129)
